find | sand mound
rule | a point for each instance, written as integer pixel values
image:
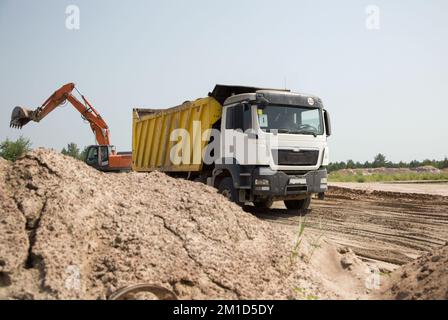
(425, 278)
(68, 231)
(383, 170)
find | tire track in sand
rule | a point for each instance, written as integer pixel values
(384, 226)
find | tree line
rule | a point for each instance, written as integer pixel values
(13, 149)
(381, 161)
(74, 151)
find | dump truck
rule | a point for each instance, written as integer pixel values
(253, 144)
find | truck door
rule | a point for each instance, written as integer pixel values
(237, 143)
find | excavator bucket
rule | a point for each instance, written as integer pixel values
(20, 116)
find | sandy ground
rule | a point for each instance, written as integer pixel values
(68, 231)
(392, 228)
(424, 278)
(385, 230)
(419, 187)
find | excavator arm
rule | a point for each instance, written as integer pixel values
(21, 116)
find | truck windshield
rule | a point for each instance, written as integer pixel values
(290, 119)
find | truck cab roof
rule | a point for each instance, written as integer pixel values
(226, 94)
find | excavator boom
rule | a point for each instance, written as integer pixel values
(21, 116)
(102, 156)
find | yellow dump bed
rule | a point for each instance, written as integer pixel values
(152, 131)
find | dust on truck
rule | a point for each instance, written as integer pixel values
(283, 158)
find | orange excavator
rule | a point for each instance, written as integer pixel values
(103, 156)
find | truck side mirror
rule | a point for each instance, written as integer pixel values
(261, 100)
(327, 123)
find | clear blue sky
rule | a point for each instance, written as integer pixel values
(386, 89)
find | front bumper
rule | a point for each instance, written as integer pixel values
(282, 184)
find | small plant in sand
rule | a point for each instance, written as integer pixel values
(299, 239)
(302, 294)
(316, 240)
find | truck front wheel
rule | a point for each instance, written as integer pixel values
(302, 204)
(264, 204)
(227, 189)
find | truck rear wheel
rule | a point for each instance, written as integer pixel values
(227, 189)
(302, 204)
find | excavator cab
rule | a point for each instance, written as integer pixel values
(98, 157)
(106, 158)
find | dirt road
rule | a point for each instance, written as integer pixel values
(383, 226)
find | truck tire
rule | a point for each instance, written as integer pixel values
(227, 189)
(302, 204)
(264, 204)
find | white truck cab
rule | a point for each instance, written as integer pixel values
(273, 146)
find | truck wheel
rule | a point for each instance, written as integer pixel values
(227, 189)
(298, 204)
(264, 204)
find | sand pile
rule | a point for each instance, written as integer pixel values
(383, 170)
(68, 231)
(425, 278)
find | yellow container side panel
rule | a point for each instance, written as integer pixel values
(147, 148)
(156, 138)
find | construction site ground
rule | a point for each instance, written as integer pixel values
(68, 231)
(391, 228)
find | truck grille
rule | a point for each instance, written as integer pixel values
(299, 158)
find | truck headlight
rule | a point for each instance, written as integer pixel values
(261, 182)
(323, 181)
